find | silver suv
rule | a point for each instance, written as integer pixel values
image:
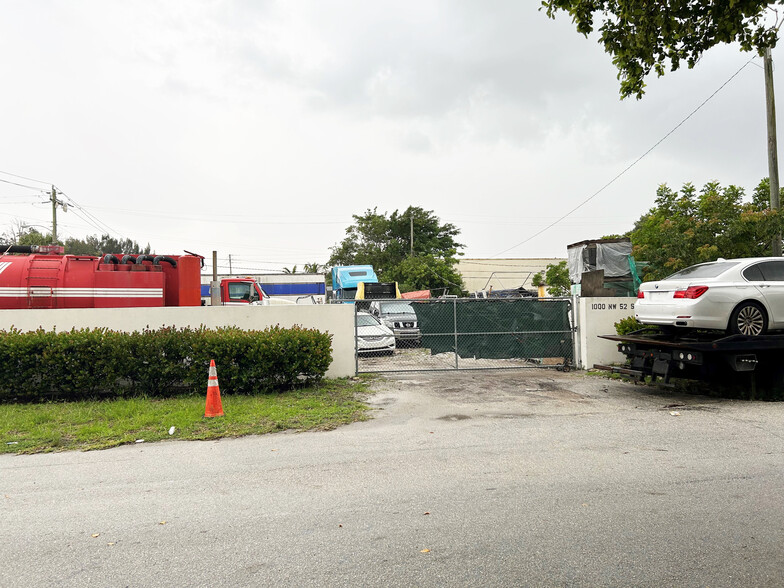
(399, 316)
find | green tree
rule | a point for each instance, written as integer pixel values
(20, 233)
(385, 243)
(649, 36)
(91, 245)
(33, 237)
(556, 277)
(313, 268)
(94, 245)
(688, 227)
(290, 270)
(426, 272)
(538, 280)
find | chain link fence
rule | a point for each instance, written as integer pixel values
(464, 333)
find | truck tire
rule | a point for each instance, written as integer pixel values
(749, 318)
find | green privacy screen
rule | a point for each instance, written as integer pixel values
(496, 328)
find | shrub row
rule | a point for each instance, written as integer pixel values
(93, 363)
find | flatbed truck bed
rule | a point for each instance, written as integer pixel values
(709, 357)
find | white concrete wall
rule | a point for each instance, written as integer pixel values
(597, 316)
(336, 319)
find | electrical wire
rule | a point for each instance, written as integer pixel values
(86, 215)
(243, 268)
(91, 218)
(5, 173)
(631, 165)
(21, 185)
(87, 220)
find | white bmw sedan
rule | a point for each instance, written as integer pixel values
(740, 296)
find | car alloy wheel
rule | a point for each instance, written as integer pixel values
(749, 319)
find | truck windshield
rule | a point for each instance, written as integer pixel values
(240, 291)
(396, 308)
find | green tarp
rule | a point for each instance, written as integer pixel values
(496, 328)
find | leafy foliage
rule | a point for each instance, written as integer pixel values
(385, 243)
(557, 279)
(313, 268)
(538, 280)
(166, 362)
(649, 36)
(556, 276)
(32, 237)
(689, 227)
(91, 245)
(628, 325)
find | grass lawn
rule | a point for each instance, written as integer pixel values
(61, 426)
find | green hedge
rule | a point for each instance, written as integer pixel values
(92, 363)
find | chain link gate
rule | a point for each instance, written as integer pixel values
(463, 333)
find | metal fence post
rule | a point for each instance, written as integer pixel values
(454, 317)
(356, 342)
(577, 351)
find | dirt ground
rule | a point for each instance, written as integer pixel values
(410, 359)
(529, 392)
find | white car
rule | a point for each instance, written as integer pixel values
(399, 316)
(373, 338)
(740, 296)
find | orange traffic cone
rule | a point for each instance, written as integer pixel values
(214, 408)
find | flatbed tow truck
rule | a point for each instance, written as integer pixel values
(755, 362)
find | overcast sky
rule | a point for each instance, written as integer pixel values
(258, 128)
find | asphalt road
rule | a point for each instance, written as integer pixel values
(521, 478)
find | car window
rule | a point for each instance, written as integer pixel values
(704, 270)
(366, 320)
(753, 273)
(397, 308)
(772, 271)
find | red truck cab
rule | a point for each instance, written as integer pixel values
(239, 291)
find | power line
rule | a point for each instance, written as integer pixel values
(91, 218)
(87, 220)
(88, 217)
(631, 165)
(244, 269)
(24, 178)
(20, 185)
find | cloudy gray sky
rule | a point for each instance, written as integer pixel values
(257, 128)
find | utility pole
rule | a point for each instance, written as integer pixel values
(773, 162)
(231, 273)
(54, 216)
(55, 204)
(215, 294)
